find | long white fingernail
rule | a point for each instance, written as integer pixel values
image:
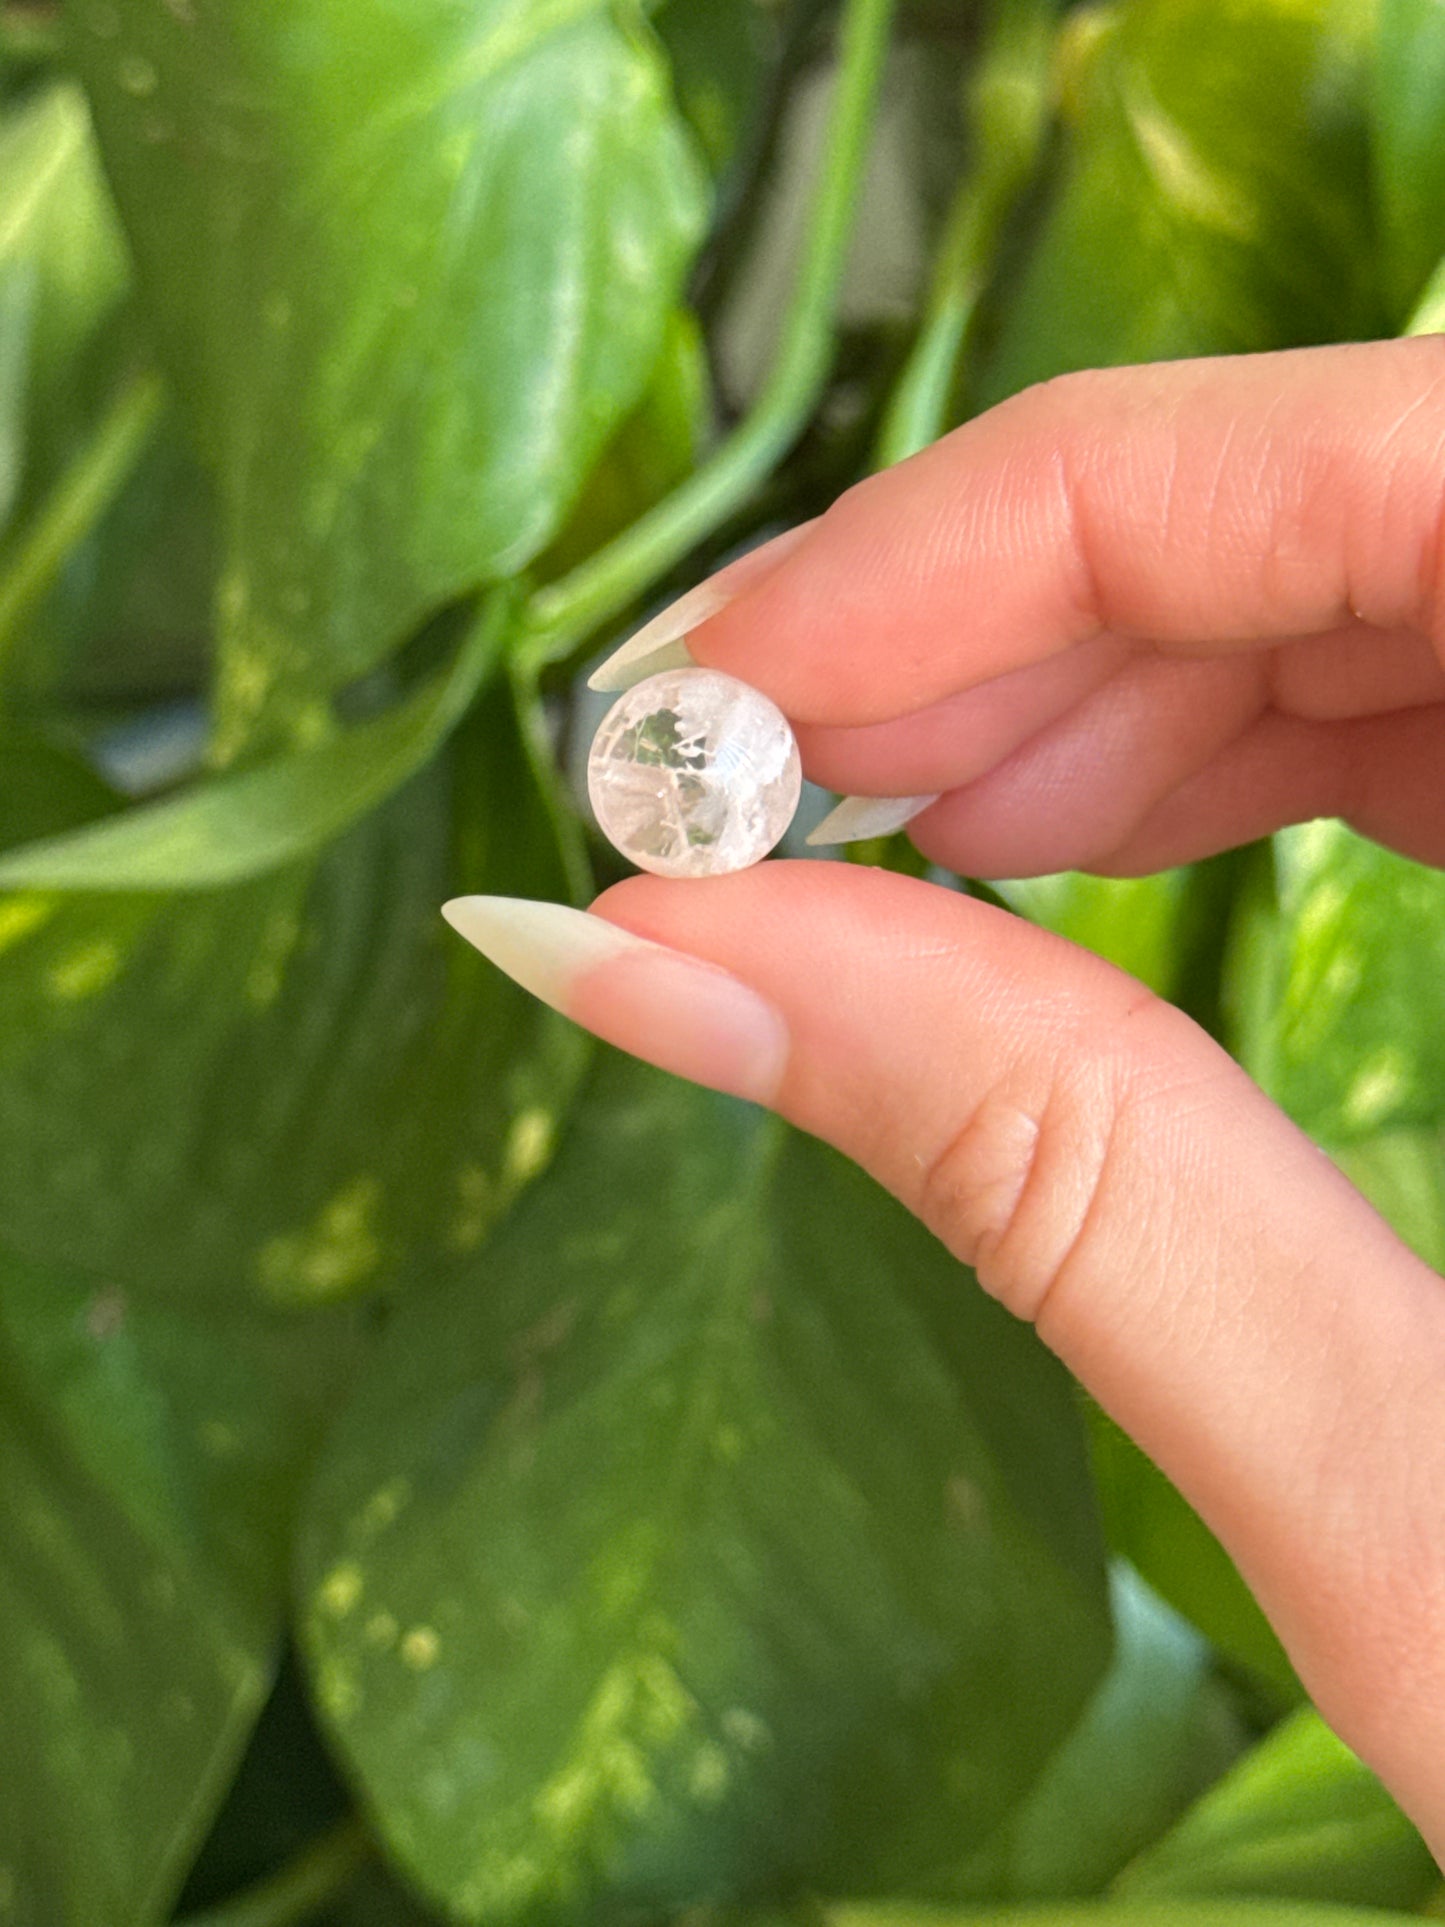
(857, 818)
(679, 1012)
(659, 645)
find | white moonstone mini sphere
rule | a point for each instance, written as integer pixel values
(692, 773)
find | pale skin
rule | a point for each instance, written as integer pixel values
(1124, 620)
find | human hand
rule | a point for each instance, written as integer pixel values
(1122, 621)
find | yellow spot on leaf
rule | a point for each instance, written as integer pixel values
(529, 1145)
(477, 1206)
(384, 1504)
(337, 1690)
(19, 916)
(1381, 1084)
(83, 972)
(274, 950)
(965, 1504)
(105, 1314)
(221, 1439)
(709, 1775)
(137, 75)
(746, 1729)
(1187, 176)
(640, 1709)
(420, 1647)
(332, 1256)
(340, 1590)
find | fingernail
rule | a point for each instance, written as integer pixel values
(857, 818)
(659, 644)
(676, 1011)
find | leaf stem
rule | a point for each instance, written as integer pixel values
(318, 1874)
(76, 502)
(1008, 114)
(566, 611)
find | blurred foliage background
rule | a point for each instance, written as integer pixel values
(448, 1472)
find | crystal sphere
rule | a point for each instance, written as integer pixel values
(693, 773)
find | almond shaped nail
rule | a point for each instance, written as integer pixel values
(659, 644)
(858, 818)
(679, 1012)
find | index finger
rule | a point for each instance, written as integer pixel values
(1200, 506)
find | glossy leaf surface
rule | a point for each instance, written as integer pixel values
(63, 271)
(1213, 193)
(1157, 1731)
(712, 1533)
(147, 1461)
(294, 1088)
(1340, 987)
(1408, 135)
(410, 268)
(1301, 1817)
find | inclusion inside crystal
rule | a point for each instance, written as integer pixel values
(693, 773)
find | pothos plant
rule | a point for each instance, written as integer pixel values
(447, 1472)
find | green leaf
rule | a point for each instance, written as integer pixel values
(131, 606)
(410, 267)
(658, 445)
(1402, 1173)
(298, 1087)
(723, 59)
(44, 789)
(1337, 993)
(1121, 1913)
(1213, 193)
(285, 1794)
(129, 616)
(225, 829)
(287, 1091)
(1300, 1817)
(79, 498)
(147, 1460)
(63, 272)
(1339, 987)
(1151, 1524)
(1408, 140)
(714, 1533)
(1158, 1730)
(1139, 923)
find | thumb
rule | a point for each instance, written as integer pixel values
(1115, 1178)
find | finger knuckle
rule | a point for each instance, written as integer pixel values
(1048, 1166)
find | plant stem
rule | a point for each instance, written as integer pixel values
(562, 614)
(76, 502)
(1008, 116)
(318, 1874)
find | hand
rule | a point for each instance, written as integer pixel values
(1122, 621)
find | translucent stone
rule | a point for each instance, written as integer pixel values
(692, 773)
